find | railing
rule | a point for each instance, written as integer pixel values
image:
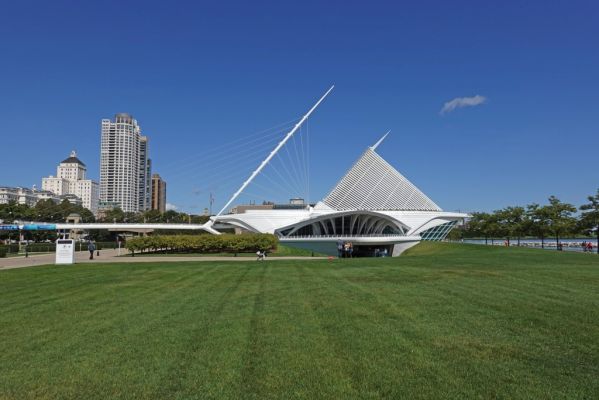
(343, 236)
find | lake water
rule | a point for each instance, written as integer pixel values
(568, 244)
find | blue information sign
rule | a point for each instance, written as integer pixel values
(40, 227)
(9, 227)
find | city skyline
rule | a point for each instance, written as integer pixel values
(489, 106)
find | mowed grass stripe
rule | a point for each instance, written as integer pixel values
(224, 328)
(292, 356)
(370, 328)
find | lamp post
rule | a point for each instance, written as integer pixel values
(9, 237)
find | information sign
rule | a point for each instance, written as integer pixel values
(65, 251)
(39, 227)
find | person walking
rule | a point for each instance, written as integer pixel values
(350, 250)
(590, 247)
(584, 246)
(91, 247)
(340, 245)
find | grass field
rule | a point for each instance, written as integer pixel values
(443, 321)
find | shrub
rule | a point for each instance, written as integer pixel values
(204, 243)
(2, 251)
(12, 248)
(41, 247)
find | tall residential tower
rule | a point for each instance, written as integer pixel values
(124, 164)
(158, 193)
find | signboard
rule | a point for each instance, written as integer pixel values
(28, 227)
(39, 227)
(65, 251)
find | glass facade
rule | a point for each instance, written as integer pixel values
(350, 224)
(438, 232)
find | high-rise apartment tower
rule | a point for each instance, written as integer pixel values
(124, 164)
(145, 175)
(158, 193)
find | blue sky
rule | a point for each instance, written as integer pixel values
(199, 75)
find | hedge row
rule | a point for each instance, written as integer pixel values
(2, 251)
(226, 243)
(11, 248)
(103, 245)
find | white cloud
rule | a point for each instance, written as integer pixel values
(170, 206)
(460, 102)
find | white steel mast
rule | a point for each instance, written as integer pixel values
(380, 140)
(274, 151)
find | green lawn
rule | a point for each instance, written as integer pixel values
(443, 321)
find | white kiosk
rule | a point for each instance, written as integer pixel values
(65, 251)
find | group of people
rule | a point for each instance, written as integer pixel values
(345, 249)
(380, 253)
(587, 246)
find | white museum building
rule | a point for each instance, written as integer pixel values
(373, 206)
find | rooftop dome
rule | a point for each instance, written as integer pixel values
(72, 159)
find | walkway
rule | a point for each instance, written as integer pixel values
(111, 256)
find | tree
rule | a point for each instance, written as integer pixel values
(15, 212)
(477, 225)
(493, 227)
(559, 217)
(199, 219)
(114, 215)
(589, 219)
(511, 221)
(171, 216)
(152, 216)
(537, 221)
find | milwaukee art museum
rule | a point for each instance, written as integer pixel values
(373, 206)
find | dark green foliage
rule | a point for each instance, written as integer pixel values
(443, 322)
(250, 242)
(555, 218)
(41, 247)
(11, 248)
(589, 219)
(560, 219)
(153, 216)
(3, 251)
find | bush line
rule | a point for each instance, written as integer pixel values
(226, 243)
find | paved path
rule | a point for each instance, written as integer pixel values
(111, 255)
